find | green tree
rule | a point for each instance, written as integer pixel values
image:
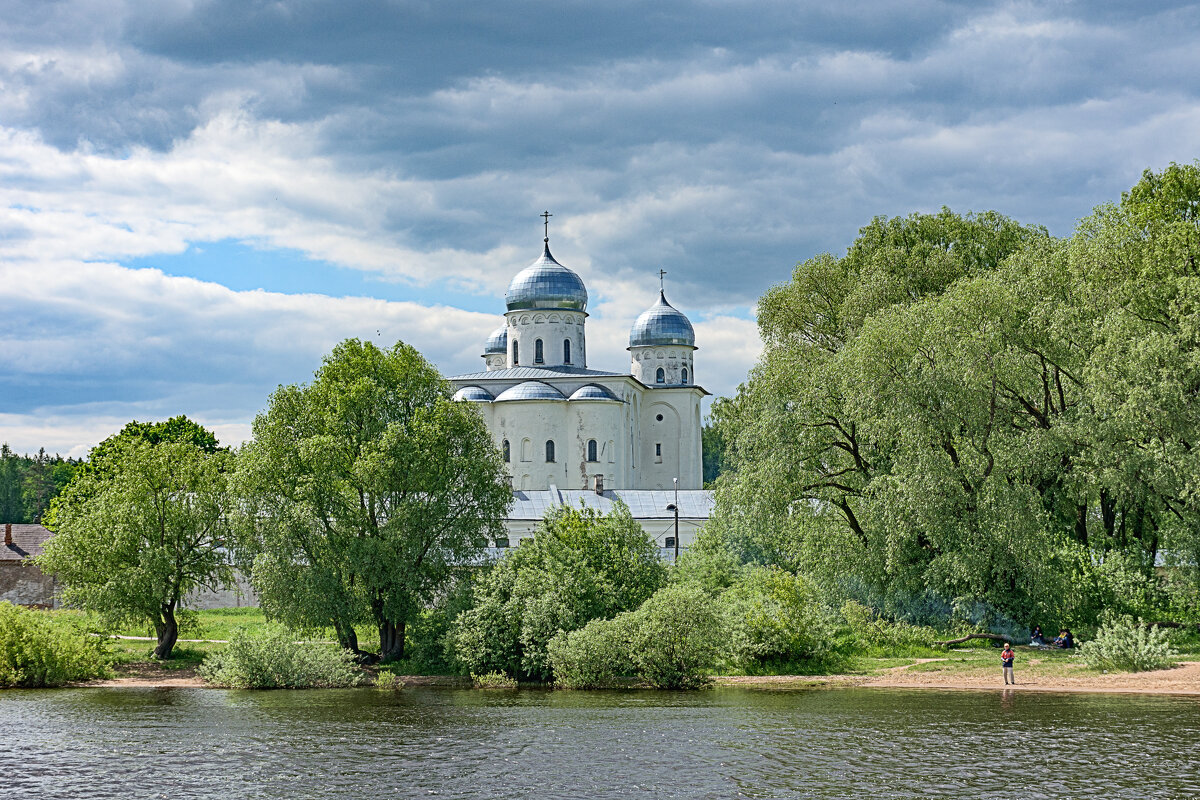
(364, 491)
(579, 566)
(134, 541)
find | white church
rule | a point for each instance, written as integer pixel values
(570, 434)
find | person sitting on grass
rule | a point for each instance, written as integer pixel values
(1064, 639)
(1006, 661)
(1036, 637)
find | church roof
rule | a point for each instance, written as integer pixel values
(662, 324)
(497, 343)
(546, 284)
(643, 504)
(530, 390)
(592, 392)
(473, 394)
(537, 374)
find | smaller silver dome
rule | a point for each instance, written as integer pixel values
(473, 394)
(592, 392)
(662, 324)
(530, 390)
(546, 284)
(497, 343)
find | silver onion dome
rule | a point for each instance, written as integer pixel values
(592, 392)
(497, 343)
(473, 394)
(546, 284)
(530, 390)
(662, 324)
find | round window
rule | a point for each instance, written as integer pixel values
(659, 418)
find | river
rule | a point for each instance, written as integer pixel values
(197, 743)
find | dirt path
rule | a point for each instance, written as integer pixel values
(149, 676)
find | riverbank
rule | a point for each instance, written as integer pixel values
(966, 670)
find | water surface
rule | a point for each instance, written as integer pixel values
(196, 743)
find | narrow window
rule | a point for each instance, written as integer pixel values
(537, 352)
(685, 375)
(566, 351)
(660, 376)
(592, 450)
(507, 452)
(658, 449)
(549, 451)
(516, 356)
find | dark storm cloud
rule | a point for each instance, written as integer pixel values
(417, 141)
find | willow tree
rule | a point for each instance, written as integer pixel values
(137, 537)
(363, 491)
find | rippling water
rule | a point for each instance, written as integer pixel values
(195, 743)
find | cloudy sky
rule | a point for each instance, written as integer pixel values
(198, 198)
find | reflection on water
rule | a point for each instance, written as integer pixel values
(196, 743)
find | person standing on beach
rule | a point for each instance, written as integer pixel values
(1006, 659)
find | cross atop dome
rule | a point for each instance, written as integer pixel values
(546, 215)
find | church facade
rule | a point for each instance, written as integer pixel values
(561, 425)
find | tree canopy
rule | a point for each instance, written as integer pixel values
(134, 540)
(966, 408)
(364, 490)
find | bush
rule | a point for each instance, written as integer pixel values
(776, 620)
(596, 656)
(874, 635)
(272, 660)
(39, 649)
(389, 681)
(676, 637)
(1123, 644)
(493, 680)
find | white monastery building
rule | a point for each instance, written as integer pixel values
(565, 429)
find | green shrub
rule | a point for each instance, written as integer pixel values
(1124, 645)
(874, 635)
(595, 656)
(776, 620)
(493, 680)
(38, 649)
(270, 659)
(389, 680)
(676, 637)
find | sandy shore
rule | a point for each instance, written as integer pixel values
(1182, 680)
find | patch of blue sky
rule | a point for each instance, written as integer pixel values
(243, 267)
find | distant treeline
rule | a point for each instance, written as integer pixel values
(29, 483)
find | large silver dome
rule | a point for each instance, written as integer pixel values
(546, 284)
(662, 324)
(473, 394)
(497, 343)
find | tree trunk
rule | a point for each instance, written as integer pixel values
(391, 641)
(346, 636)
(166, 628)
(995, 637)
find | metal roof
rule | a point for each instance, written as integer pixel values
(643, 504)
(473, 394)
(662, 324)
(593, 392)
(536, 374)
(497, 343)
(530, 390)
(546, 284)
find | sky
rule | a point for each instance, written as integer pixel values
(200, 198)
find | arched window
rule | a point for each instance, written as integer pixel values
(660, 376)
(684, 375)
(516, 355)
(591, 455)
(538, 357)
(566, 351)
(507, 452)
(549, 451)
